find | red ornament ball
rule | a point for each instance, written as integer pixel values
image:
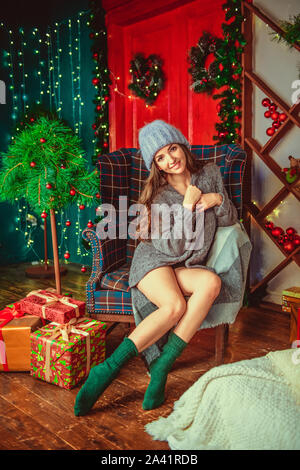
(98, 107)
(276, 231)
(105, 144)
(106, 98)
(32, 164)
(97, 195)
(273, 107)
(44, 215)
(83, 269)
(288, 247)
(67, 255)
(90, 224)
(222, 135)
(290, 231)
(81, 207)
(269, 225)
(282, 117)
(32, 119)
(270, 131)
(42, 140)
(95, 81)
(94, 126)
(297, 240)
(274, 116)
(63, 166)
(267, 114)
(49, 186)
(276, 124)
(72, 192)
(266, 102)
(68, 223)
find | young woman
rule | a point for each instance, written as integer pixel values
(163, 269)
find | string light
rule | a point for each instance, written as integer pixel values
(39, 58)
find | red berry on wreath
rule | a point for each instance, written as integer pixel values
(49, 186)
(42, 140)
(266, 102)
(270, 131)
(81, 207)
(68, 223)
(32, 164)
(83, 269)
(44, 215)
(72, 192)
(67, 255)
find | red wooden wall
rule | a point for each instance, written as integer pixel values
(169, 29)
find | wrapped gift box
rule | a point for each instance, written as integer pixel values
(64, 354)
(52, 306)
(15, 330)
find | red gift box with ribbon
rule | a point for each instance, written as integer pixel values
(64, 354)
(15, 330)
(52, 306)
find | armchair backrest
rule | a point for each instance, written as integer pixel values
(123, 172)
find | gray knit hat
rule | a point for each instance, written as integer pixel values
(157, 135)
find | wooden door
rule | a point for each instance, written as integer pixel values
(168, 29)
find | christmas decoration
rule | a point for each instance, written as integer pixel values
(102, 76)
(204, 77)
(291, 30)
(226, 71)
(292, 173)
(147, 77)
(272, 113)
(289, 239)
(83, 269)
(18, 179)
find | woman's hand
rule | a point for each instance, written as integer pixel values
(191, 197)
(208, 200)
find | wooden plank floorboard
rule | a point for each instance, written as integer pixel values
(38, 415)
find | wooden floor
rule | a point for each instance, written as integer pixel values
(36, 415)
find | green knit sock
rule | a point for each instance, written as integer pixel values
(159, 369)
(101, 376)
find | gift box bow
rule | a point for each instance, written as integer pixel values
(9, 313)
(64, 331)
(51, 298)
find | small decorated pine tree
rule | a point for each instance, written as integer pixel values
(45, 165)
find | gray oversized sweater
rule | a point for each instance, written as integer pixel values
(170, 251)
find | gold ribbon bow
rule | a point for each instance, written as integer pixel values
(52, 299)
(64, 331)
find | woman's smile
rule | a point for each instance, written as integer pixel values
(175, 166)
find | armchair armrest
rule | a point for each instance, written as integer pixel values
(235, 164)
(108, 255)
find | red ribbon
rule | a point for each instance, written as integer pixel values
(6, 315)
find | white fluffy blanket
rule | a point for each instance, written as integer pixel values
(251, 405)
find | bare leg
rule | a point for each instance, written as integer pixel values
(161, 288)
(203, 286)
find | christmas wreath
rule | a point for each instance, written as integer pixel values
(147, 77)
(204, 78)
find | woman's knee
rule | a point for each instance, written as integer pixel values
(175, 309)
(214, 284)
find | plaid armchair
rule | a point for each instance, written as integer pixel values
(122, 174)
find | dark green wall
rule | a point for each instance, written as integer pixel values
(29, 15)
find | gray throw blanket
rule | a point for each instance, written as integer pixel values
(229, 257)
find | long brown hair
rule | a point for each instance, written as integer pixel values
(155, 183)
